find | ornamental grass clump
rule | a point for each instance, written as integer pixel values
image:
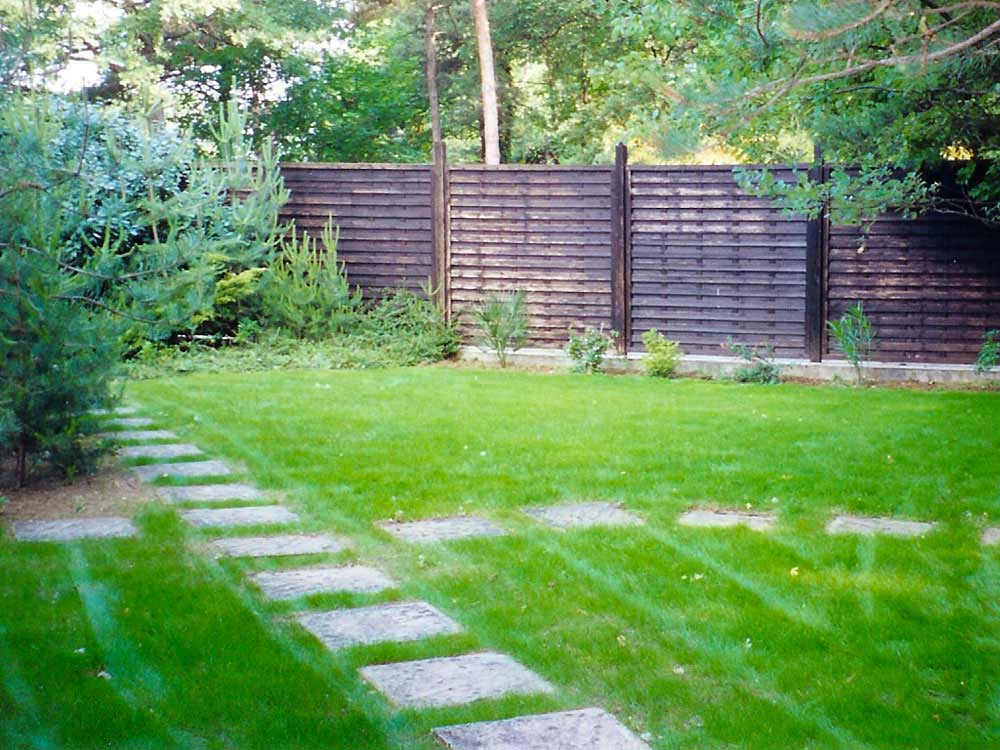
(503, 324)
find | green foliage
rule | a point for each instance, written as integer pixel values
(662, 356)
(587, 349)
(854, 335)
(412, 327)
(503, 323)
(305, 291)
(759, 367)
(989, 353)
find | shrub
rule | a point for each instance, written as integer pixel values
(588, 349)
(989, 354)
(412, 326)
(854, 335)
(759, 368)
(503, 323)
(305, 291)
(662, 356)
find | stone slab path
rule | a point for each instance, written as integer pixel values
(869, 526)
(584, 515)
(170, 450)
(69, 529)
(257, 515)
(187, 470)
(116, 410)
(278, 545)
(453, 680)
(434, 530)
(291, 584)
(138, 435)
(726, 519)
(585, 729)
(396, 622)
(129, 422)
(991, 536)
(209, 493)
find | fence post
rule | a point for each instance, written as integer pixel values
(620, 263)
(817, 239)
(440, 262)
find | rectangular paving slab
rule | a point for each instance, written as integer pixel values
(278, 545)
(870, 525)
(585, 729)
(252, 516)
(726, 519)
(209, 493)
(129, 422)
(395, 622)
(116, 410)
(453, 680)
(69, 529)
(583, 515)
(186, 470)
(442, 529)
(139, 435)
(291, 584)
(991, 536)
(169, 450)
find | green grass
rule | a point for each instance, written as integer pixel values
(702, 638)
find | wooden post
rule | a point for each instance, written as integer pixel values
(620, 265)
(817, 238)
(441, 262)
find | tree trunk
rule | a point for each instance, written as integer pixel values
(487, 73)
(431, 72)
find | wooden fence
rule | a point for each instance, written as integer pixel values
(682, 249)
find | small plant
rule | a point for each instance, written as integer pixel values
(854, 336)
(587, 350)
(759, 367)
(503, 322)
(662, 356)
(989, 354)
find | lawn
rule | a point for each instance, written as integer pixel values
(697, 638)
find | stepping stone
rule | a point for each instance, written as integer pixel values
(586, 729)
(280, 545)
(256, 515)
(397, 622)
(726, 519)
(68, 529)
(991, 536)
(138, 435)
(869, 526)
(116, 410)
(353, 579)
(442, 529)
(129, 422)
(582, 515)
(209, 493)
(453, 680)
(170, 450)
(186, 470)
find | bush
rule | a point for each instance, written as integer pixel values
(662, 356)
(854, 335)
(503, 322)
(412, 326)
(588, 349)
(989, 354)
(759, 367)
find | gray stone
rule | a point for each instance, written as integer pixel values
(869, 526)
(726, 519)
(170, 450)
(117, 410)
(442, 529)
(139, 435)
(397, 622)
(453, 680)
(581, 515)
(279, 545)
(129, 422)
(991, 536)
(252, 516)
(291, 584)
(586, 729)
(209, 493)
(186, 470)
(68, 529)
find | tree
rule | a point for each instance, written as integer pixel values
(488, 77)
